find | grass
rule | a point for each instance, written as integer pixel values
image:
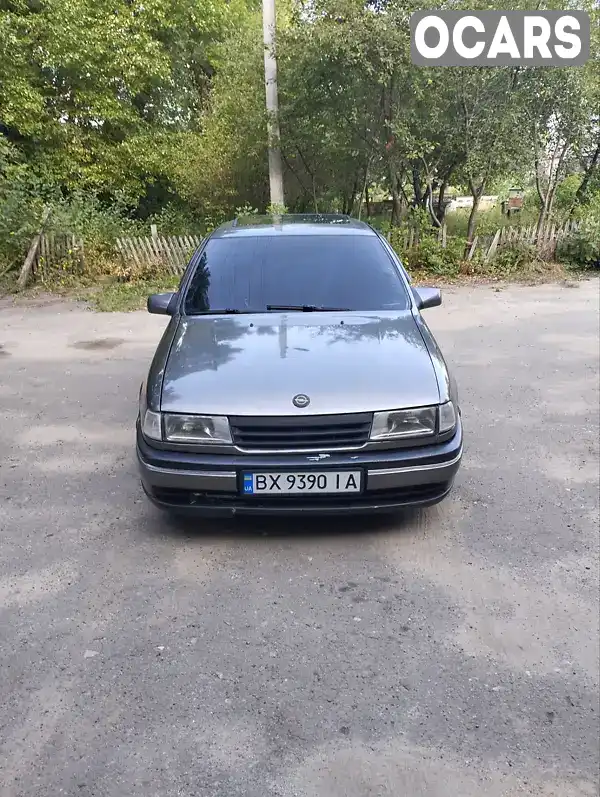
(106, 295)
(112, 297)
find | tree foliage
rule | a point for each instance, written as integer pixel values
(156, 108)
(100, 95)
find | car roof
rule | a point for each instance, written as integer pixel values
(292, 224)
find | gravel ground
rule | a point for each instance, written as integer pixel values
(449, 653)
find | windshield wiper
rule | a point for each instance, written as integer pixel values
(306, 308)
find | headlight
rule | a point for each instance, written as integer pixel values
(420, 422)
(447, 417)
(398, 424)
(197, 429)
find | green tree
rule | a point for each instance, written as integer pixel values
(225, 165)
(97, 94)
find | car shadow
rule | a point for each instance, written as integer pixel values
(288, 528)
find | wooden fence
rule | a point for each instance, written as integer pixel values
(66, 251)
(60, 250)
(172, 252)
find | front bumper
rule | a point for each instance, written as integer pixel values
(210, 484)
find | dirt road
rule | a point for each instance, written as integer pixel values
(449, 654)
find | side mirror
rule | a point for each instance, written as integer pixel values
(427, 297)
(161, 303)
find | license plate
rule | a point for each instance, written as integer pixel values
(294, 483)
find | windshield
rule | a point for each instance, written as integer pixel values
(249, 274)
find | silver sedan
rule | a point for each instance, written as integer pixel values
(297, 375)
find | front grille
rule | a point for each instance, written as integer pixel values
(311, 433)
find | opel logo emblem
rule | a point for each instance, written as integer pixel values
(301, 401)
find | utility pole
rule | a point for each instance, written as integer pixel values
(275, 164)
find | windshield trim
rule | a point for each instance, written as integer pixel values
(393, 258)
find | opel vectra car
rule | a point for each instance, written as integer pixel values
(297, 375)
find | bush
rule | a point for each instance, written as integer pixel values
(514, 257)
(18, 218)
(86, 216)
(22, 203)
(21, 206)
(98, 225)
(175, 219)
(430, 256)
(582, 247)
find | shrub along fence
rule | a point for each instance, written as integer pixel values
(173, 252)
(545, 243)
(140, 256)
(66, 252)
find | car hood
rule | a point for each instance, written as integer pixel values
(256, 364)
